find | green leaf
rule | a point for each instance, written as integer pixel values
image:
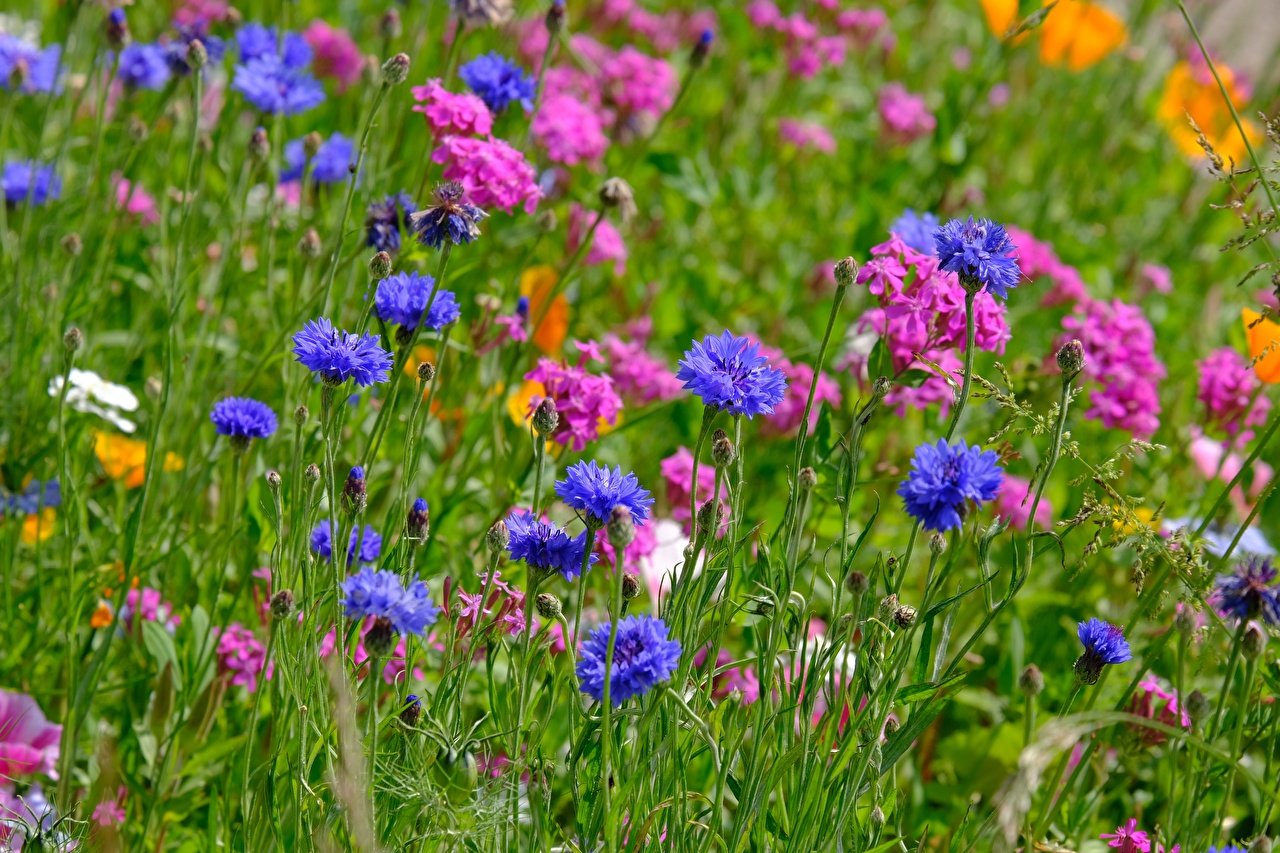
(160, 645)
(925, 689)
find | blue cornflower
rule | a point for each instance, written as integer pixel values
(274, 87)
(1104, 644)
(916, 230)
(450, 220)
(596, 490)
(1249, 591)
(254, 41)
(370, 544)
(144, 66)
(544, 546)
(176, 49)
(498, 81)
(330, 165)
(1230, 848)
(401, 298)
(30, 181)
(338, 356)
(643, 657)
(980, 252)
(729, 373)
(381, 595)
(28, 69)
(32, 499)
(242, 419)
(384, 220)
(944, 477)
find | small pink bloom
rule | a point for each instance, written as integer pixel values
(903, 115)
(110, 812)
(607, 245)
(1014, 503)
(134, 200)
(804, 134)
(336, 54)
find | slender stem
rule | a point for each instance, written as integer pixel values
(606, 726)
(1242, 714)
(1245, 468)
(969, 295)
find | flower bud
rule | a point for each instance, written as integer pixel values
(888, 606)
(312, 474)
(617, 193)
(710, 514)
(116, 29)
(380, 638)
(498, 536)
(273, 481)
(808, 479)
(1197, 706)
(396, 69)
(380, 266)
(904, 616)
(355, 496)
(846, 271)
(891, 725)
(282, 604)
(259, 144)
(937, 544)
(311, 144)
(545, 417)
(621, 528)
(73, 244)
(877, 816)
(412, 710)
(309, 247)
(1071, 358)
(630, 587)
(1184, 619)
(857, 583)
(555, 17)
(702, 49)
(73, 339)
(1254, 642)
(723, 453)
(882, 386)
(548, 606)
(417, 523)
(197, 55)
(389, 25)
(1031, 681)
(546, 220)
(300, 415)
(1261, 844)
(426, 371)
(138, 129)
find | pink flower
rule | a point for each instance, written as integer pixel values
(677, 470)
(570, 131)
(336, 54)
(633, 555)
(449, 114)
(1159, 278)
(1230, 392)
(492, 173)
(1039, 261)
(1155, 703)
(1208, 455)
(1014, 503)
(903, 115)
(1127, 838)
(639, 377)
(193, 12)
(606, 243)
(763, 14)
(806, 134)
(28, 741)
(787, 415)
(242, 656)
(148, 604)
(585, 402)
(110, 812)
(638, 83)
(1120, 363)
(740, 678)
(135, 201)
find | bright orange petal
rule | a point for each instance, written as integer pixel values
(538, 283)
(1264, 337)
(38, 527)
(1001, 15)
(1186, 94)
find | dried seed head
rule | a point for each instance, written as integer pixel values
(904, 616)
(426, 371)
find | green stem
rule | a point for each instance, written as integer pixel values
(969, 295)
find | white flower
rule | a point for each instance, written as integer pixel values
(92, 394)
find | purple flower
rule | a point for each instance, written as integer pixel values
(28, 69)
(944, 477)
(384, 220)
(30, 181)
(643, 657)
(450, 220)
(381, 595)
(916, 230)
(498, 81)
(729, 373)
(1249, 591)
(402, 298)
(544, 546)
(338, 356)
(144, 66)
(243, 418)
(1104, 644)
(254, 41)
(981, 253)
(370, 544)
(330, 165)
(272, 86)
(596, 490)
(176, 49)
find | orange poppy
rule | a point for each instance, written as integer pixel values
(1264, 345)
(1001, 15)
(1188, 92)
(38, 526)
(538, 283)
(1078, 34)
(102, 616)
(125, 459)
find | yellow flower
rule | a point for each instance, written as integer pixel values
(1144, 515)
(125, 459)
(1264, 337)
(1193, 92)
(538, 283)
(518, 402)
(38, 527)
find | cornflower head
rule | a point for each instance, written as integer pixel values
(916, 230)
(243, 419)
(544, 547)
(330, 164)
(143, 66)
(336, 356)
(1104, 644)
(498, 82)
(272, 85)
(980, 253)
(728, 372)
(449, 114)
(643, 657)
(384, 597)
(28, 69)
(595, 490)
(403, 298)
(363, 546)
(450, 220)
(385, 219)
(945, 478)
(585, 402)
(30, 182)
(1249, 591)
(255, 41)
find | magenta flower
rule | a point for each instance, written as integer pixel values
(677, 471)
(607, 245)
(450, 114)
(491, 172)
(110, 811)
(242, 656)
(1230, 392)
(903, 115)
(28, 741)
(585, 401)
(786, 416)
(570, 131)
(639, 377)
(806, 135)
(1014, 503)
(335, 54)
(135, 201)
(1120, 364)
(1127, 838)
(1039, 262)
(1155, 703)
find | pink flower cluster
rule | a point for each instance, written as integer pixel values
(667, 31)
(1153, 702)
(677, 471)
(1014, 503)
(504, 607)
(1229, 390)
(570, 131)
(393, 671)
(822, 42)
(787, 414)
(135, 201)
(1213, 461)
(903, 115)
(806, 134)
(1039, 261)
(921, 311)
(450, 114)
(148, 604)
(639, 377)
(193, 12)
(1120, 361)
(241, 655)
(1127, 838)
(740, 678)
(335, 54)
(585, 402)
(491, 172)
(632, 556)
(606, 246)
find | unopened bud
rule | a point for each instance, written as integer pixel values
(877, 816)
(1031, 681)
(701, 50)
(498, 536)
(1254, 642)
(630, 587)
(846, 271)
(555, 17)
(888, 605)
(138, 130)
(808, 478)
(418, 521)
(937, 544)
(197, 54)
(259, 144)
(1261, 844)
(380, 637)
(856, 582)
(1071, 358)
(389, 25)
(426, 371)
(380, 266)
(723, 453)
(547, 220)
(710, 514)
(72, 244)
(621, 528)
(882, 386)
(300, 415)
(310, 246)
(1184, 619)
(273, 480)
(412, 710)
(904, 616)
(396, 69)
(545, 417)
(312, 474)
(617, 193)
(1197, 706)
(311, 144)
(282, 605)
(73, 339)
(548, 605)
(116, 29)
(355, 495)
